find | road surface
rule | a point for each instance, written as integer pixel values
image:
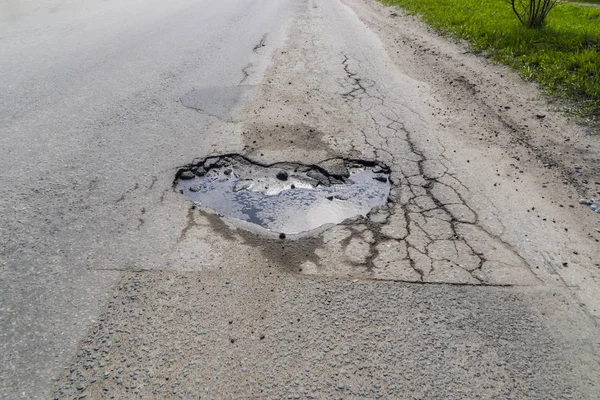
(479, 279)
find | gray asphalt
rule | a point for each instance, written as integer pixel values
(112, 286)
(90, 107)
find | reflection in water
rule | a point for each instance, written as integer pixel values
(290, 207)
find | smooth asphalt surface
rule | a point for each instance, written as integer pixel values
(90, 106)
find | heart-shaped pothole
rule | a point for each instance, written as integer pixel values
(287, 198)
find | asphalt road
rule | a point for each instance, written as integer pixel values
(90, 107)
(474, 282)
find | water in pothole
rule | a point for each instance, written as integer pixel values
(287, 198)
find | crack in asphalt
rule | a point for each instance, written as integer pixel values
(245, 74)
(441, 233)
(261, 44)
(127, 193)
(428, 232)
(357, 86)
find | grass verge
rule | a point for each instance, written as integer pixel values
(563, 57)
(584, 1)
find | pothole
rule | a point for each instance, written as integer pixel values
(285, 199)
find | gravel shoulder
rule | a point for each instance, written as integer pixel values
(514, 126)
(493, 104)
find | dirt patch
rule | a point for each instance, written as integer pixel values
(294, 138)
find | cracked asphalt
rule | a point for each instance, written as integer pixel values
(480, 278)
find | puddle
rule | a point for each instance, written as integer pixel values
(285, 198)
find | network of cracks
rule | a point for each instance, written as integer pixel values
(347, 217)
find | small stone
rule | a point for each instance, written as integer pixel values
(211, 163)
(318, 176)
(186, 175)
(293, 186)
(541, 116)
(242, 185)
(195, 188)
(282, 235)
(282, 176)
(586, 202)
(200, 171)
(336, 168)
(381, 178)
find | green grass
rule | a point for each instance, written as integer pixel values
(584, 1)
(564, 56)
